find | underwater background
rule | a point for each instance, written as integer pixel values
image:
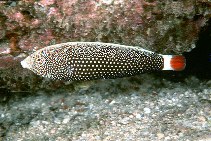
(157, 106)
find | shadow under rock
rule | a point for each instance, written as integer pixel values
(198, 61)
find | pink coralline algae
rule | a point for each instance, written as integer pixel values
(46, 2)
(17, 17)
(45, 38)
(8, 62)
(54, 12)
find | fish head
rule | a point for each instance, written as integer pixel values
(37, 62)
(50, 62)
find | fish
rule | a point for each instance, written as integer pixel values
(80, 61)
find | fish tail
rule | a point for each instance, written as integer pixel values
(174, 62)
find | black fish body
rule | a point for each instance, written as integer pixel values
(95, 60)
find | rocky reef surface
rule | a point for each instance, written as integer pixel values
(137, 108)
(159, 106)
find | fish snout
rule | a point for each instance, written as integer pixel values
(26, 63)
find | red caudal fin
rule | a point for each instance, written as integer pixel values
(178, 62)
(174, 62)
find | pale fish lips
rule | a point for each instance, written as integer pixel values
(26, 63)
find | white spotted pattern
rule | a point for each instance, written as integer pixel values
(93, 60)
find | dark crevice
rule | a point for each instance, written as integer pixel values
(198, 61)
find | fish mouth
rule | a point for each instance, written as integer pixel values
(26, 63)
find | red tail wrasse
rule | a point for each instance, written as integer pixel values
(94, 60)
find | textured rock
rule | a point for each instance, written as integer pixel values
(147, 108)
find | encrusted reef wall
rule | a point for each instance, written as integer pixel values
(164, 26)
